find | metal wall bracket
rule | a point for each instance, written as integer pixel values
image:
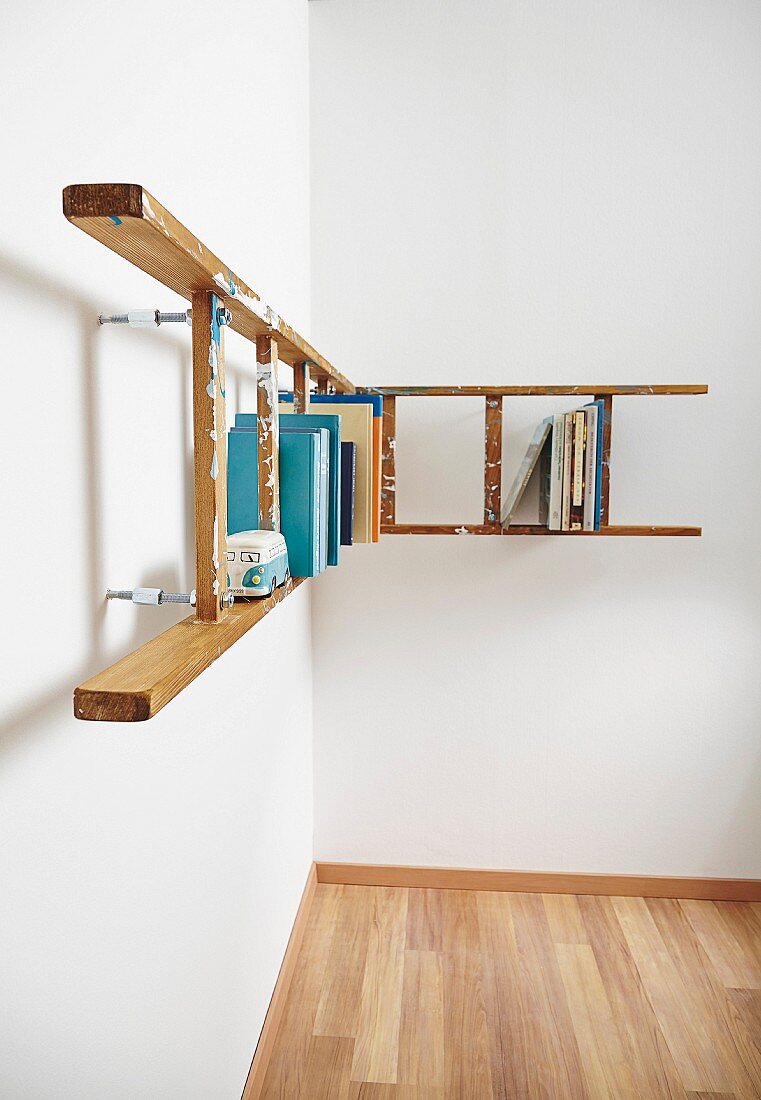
(152, 318)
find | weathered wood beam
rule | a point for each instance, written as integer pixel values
(209, 457)
(132, 223)
(528, 529)
(388, 462)
(301, 387)
(269, 435)
(528, 391)
(492, 460)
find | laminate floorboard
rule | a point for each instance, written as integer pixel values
(457, 995)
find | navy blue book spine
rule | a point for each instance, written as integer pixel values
(348, 471)
(598, 472)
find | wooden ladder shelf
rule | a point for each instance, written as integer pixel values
(128, 220)
(493, 396)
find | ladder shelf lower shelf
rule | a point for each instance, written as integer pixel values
(532, 529)
(140, 684)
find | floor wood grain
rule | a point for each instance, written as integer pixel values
(456, 995)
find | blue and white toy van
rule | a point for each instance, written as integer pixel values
(257, 562)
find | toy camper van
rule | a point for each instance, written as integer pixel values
(257, 562)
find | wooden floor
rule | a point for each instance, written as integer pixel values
(452, 995)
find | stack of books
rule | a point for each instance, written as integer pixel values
(568, 450)
(330, 473)
(361, 417)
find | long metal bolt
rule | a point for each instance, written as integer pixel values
(152, 318)
(151, 596)
(146, 318)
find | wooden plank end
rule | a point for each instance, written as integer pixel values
(112, 706)
(103, 200)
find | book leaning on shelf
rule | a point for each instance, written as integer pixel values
(523, 477)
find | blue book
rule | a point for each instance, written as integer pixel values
(242, 481)
(323, 437)
(374, 399)
(348, 471)
(598, 459)
(333, 424)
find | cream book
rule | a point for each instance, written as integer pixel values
(590, 467)
(356, 427)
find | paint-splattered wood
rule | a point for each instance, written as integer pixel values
(440, 529)
(132, 223)
(301, 387)
(529, 391)
(388, 460)
(210, 457)
(527, 529)
(140, 684)
(492, 460)
(607, 429)
(267, 420)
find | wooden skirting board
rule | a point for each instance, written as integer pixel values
(257, 1073)
(540, 882)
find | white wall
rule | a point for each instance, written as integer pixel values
(544, 193)
(149, 874)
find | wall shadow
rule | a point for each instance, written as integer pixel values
(49, 292)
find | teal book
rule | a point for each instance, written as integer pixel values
(323, 437)
(333, 424)
(300, 500)
(242, 481)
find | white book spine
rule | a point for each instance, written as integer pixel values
(567, 452)
(556, 474)
(590, 460)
